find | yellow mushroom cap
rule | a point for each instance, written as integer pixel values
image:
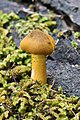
(38, 42)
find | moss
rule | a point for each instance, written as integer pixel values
(20, 97)
(77, 35)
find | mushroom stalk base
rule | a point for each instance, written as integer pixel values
(39, 68)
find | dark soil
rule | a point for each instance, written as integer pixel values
(64, 68)
(69, 8)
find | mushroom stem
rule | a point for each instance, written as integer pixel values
(39, 68)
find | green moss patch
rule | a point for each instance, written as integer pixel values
(20, 97)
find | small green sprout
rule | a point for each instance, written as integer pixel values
(74, 44)
(77, 34)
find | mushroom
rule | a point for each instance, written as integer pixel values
(39, 44)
